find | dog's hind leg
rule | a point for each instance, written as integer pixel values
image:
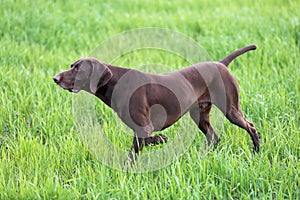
(200, 115)
(236, 117)
(234, 113)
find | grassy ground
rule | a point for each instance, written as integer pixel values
(41, 155)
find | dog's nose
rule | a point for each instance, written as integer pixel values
(56, 79)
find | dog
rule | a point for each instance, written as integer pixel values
(152, 102)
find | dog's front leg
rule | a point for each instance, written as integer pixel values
(137, 145)
(141, 134)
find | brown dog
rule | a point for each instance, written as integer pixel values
(149, 102)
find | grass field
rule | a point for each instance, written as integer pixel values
(41, 154)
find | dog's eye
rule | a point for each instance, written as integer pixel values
(76, 68)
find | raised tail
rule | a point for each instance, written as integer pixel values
(226, 61)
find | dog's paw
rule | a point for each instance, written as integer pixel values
(157, 139)
(161, 138)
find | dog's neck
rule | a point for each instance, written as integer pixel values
(105, 92)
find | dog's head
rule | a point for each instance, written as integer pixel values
(85, 74)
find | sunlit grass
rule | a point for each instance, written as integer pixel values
(41, 154)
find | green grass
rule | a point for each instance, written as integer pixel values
(41, 154)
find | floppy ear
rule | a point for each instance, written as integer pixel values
(100, 75)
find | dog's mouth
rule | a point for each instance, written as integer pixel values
(70, 89)
(73, 90)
